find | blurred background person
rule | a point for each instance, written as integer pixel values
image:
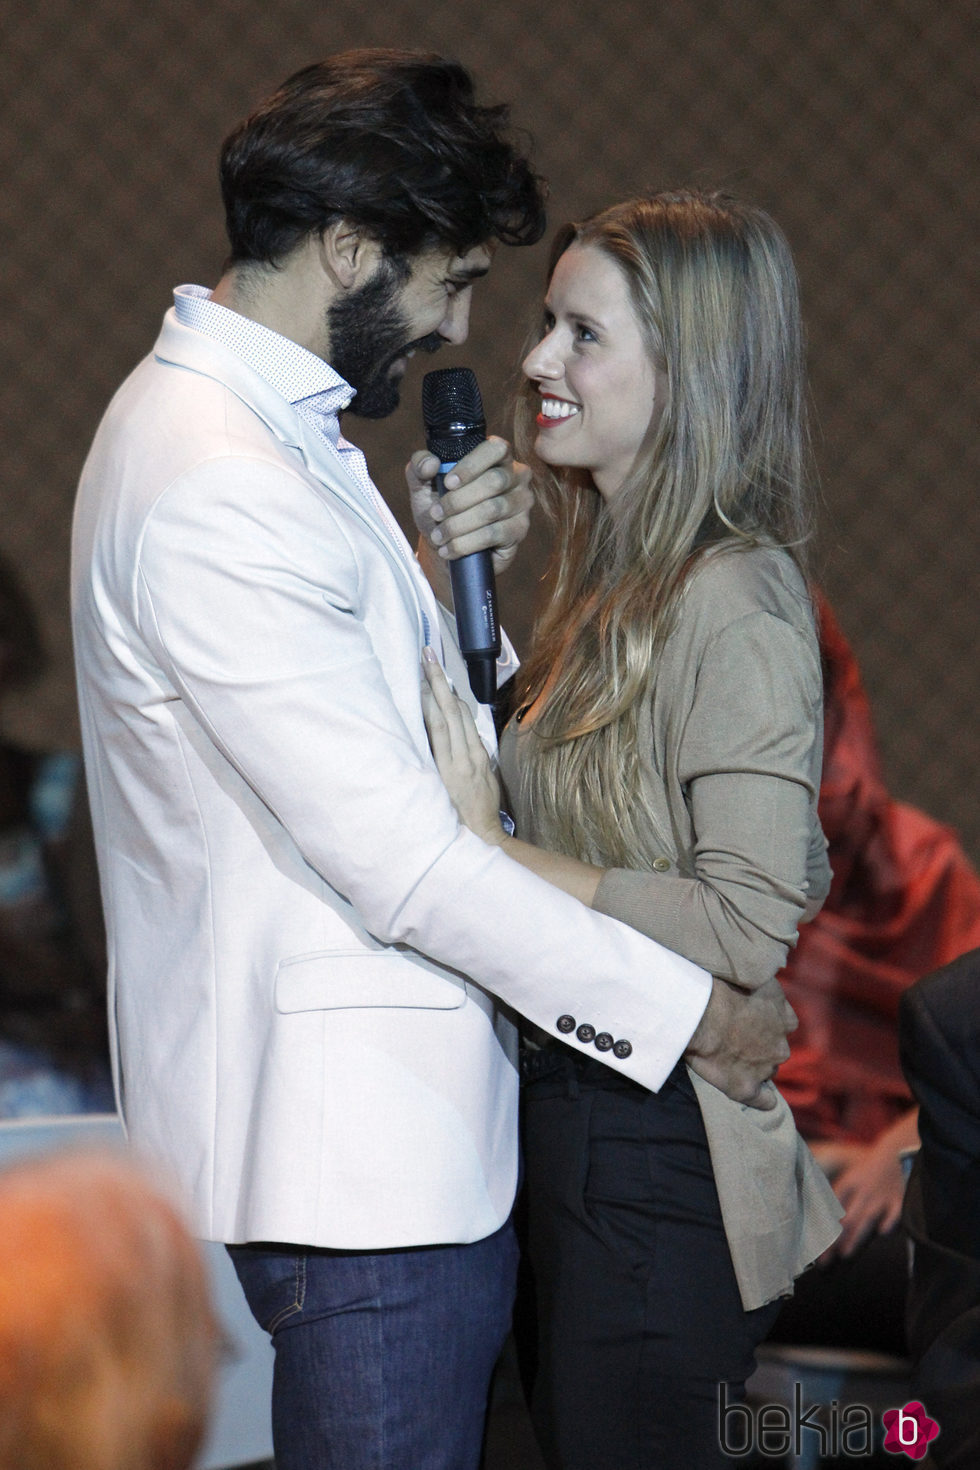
(939, 1024)
(53, 1041)
(108, 1343)
(903, 900)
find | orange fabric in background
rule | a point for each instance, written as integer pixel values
(904, 900)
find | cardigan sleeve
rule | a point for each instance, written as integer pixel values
(748, 764)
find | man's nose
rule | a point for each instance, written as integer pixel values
(455, 325)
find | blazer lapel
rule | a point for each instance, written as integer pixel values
(194, 350)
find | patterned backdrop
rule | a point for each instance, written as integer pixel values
(853, 121)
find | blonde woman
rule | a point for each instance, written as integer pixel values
(663, 766)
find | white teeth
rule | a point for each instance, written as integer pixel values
(557, 408)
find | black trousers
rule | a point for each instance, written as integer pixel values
(639, 1313)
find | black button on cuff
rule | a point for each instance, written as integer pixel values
(565, 1024)
(622, 1050)
(586, 1032)
(604, 1041)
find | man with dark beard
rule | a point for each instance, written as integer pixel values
(305, 947)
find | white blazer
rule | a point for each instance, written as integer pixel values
(305, 946)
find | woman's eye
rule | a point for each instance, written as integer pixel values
(584, 333)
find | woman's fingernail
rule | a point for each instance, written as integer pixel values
(429, 655)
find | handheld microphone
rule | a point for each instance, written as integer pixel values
(452, 410)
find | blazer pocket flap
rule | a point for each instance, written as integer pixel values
(341, 980)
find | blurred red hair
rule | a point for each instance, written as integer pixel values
(108, 1342)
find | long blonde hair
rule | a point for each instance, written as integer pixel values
(714, 289)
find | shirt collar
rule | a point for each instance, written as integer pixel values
(290, 369)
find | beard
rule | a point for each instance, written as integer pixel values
(367, 332)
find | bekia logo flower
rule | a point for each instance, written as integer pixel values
(909, 1430)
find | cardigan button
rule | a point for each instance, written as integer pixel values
(586, 1032)
(661, 865)
(622, 1050)
(565, 1024)
(604, 1041)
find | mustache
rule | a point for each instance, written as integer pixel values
(430, 343)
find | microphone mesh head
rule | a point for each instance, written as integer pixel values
(451, 403)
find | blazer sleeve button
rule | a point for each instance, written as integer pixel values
(565, 1024)
(604, 1041)
(586, 1032)
(622, 1050)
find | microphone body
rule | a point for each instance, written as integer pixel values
(452, 410)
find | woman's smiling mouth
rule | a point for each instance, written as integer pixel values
(556, 411)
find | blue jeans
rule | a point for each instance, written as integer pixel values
(383, 1358)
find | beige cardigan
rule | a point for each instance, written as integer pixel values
(731, 746)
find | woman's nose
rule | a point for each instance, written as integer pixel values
(543, 361)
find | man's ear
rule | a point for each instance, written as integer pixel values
(347, 254)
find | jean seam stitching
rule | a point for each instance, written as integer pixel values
(299, 1298)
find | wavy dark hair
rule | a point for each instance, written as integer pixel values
(392, 141)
